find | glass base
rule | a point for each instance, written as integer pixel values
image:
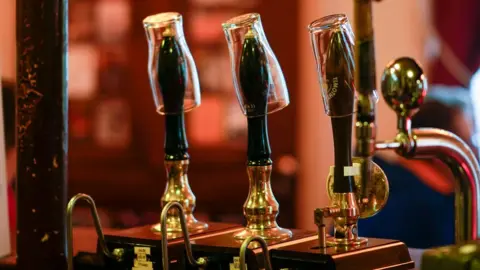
(276, 233)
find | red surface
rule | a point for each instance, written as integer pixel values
(12, 208)
(458, 23)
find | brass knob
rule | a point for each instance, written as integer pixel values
(404, 86)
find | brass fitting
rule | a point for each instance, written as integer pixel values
(167, 209)
(261, 208)
(263, 245)
(404, 87)
(117, 254)
(345, 214)
(178, 190)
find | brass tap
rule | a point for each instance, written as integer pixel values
(350, 197)
(261, 208)
(176, 91)
(178, 190)
(404, 87)
(261, 90)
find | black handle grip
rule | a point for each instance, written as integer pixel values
(342, 136)
(340, 79)
(172, 79)
(176, 144)
(254, 76)
(254, 82)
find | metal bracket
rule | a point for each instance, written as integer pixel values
(263, 245)
(117, 254)
(201, 262)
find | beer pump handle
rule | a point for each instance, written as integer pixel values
(339, 85)
(172, 77)
(201, 262)
(261, 89)
(254, 79)
(265, 251)
(116, 255)
(176, 90)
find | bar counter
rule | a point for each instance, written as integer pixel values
(85, 240)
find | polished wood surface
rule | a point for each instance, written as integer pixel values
(222, 249)
(145, 236)
(377, 253)
(227, 242)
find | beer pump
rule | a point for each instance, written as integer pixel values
(175, 87)
(333, 47)
(404, 87)
(176, 90)
(261, 89)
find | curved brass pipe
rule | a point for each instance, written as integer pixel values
(404, 87)
(116, 255)
(201, 262)
(264, 246)
(461, 160)
(457, 155)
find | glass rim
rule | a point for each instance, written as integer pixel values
(328, 22)
(161, 19)
(241, 20)
(191, 105)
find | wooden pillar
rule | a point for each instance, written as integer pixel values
(42, 133)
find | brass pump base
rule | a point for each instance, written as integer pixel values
(346, 208)
(261, 208)
(174, 225)
(275, 233)
(178, 190)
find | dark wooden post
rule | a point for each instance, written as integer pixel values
(42, 121)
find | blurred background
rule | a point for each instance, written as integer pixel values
(116, 137)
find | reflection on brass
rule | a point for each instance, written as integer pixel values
(404, 87)
(345, 213)
(345, 224)
(178, 190)
(319, 217)
(117, 254)
(263, 245)
(377, 192)
(261, 207)
(164, 217)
